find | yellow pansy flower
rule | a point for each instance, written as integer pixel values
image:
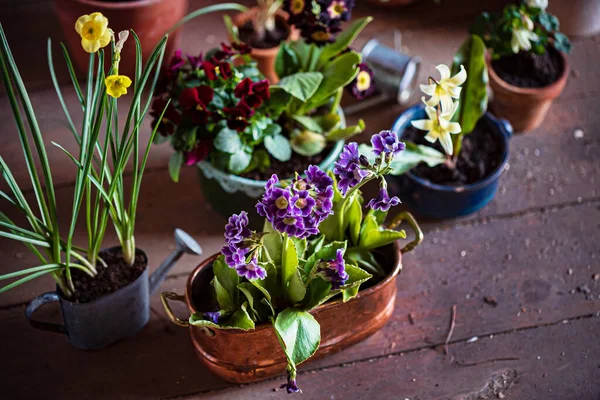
(446, 89)
(116, 85)
(94, 31)
(439, 126)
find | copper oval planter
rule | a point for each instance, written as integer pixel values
(265, 58)
(525, 108)
(247, 356)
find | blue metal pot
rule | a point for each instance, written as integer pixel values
(116, 316)
(440, 201)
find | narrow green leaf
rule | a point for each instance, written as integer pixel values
(175, 163)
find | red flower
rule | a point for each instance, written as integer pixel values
(177, 61)
(170, 120)
(237, 117)
(224, 53)
(195, 101)
(198, 154)
(213, 69)
(253, 93)
(195, 62)
(242, 48)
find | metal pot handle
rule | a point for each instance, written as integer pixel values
(38, 302)
(412, 222)
(165, 297)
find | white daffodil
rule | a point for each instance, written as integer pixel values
(446, 89)
(439, 127)
(541, 4)
(522, 37)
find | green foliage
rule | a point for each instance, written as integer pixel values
(300, 334)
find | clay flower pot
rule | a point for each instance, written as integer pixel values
(525, 108)
(248, 356)
(115, 316)
(149, 19)
(265, 58)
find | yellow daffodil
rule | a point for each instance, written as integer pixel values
(522, 37)
(447, 88)
(439, 126)
(116, 85)
(94, 31)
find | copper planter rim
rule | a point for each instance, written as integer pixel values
(550, 91)
(389, 277)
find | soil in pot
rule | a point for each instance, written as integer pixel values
(271, 38)
(287, 169)
(529, 70)
(109, 279)
(481, 155)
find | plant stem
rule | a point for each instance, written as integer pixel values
(337, 100)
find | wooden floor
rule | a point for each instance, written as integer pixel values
(534, 251)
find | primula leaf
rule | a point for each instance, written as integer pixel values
(330, 227)
(240, 319)
(336, 74)
(308, 143)
(315, 245)
(273, 243)
(344, 39)
(299, 332)
(345, 133)
(327, 122)
(473, 96)
(228, 141)
(327, 252)
(268, 285)
(225, 282)
(254, 295)
(309, 123)
(287, 61)
(300, 246)
(239, 161)
(296, 289)
(372, 236)
(413, 155)
(301, 85)
(317, 293)
(175, 163)
(289, 263)
(279, 147)
(353, 218)
(349, 294)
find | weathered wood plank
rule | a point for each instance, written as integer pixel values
(556, 362)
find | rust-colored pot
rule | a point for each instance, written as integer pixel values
(248, 356)
(525, 108)
(150, 20)
(265, 58)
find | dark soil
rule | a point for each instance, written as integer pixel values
(528, 70)
(272, 38)
(285, 170)
(117, 275)
(481, 155)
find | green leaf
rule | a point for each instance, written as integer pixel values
(317, 293)
(349, 294)
(356, 276)
(308, 143)
(336, 74)
(278, 101)
(327, 122)
(239, 161)
(286, 62)
(268, 285)
(413, 155)
(327, 252)
(562, 43)
(309, 123)
(240, 319)
(296, 289)
(372, 236)
(345, 133)
(473, 97)
(315, 245)
(255, 295)
(272, 130)
(289, 262)
(344, 39)
(300, 246)
(226, 283)
(301, 85)
(354, 217)
(232, 29)
(299, 332)
(273, 243)
(279, 147)
(175, 163)
(228, 141)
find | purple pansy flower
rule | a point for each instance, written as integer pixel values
(334, 271)
(236, 229)
(212, 316)
(251, 270)
(383, 202)
(386, 142)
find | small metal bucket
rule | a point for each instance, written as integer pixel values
(116, 316)
(395, 73)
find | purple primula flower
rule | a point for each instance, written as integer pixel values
(386, 142)
(298, 209)
(383, 202)
(234, 255)
(350, 177)
(348, 156)
(334, 271)
(251, 270)
(212, 316)
(236, 229)
(291, 386)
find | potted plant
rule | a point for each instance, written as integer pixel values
(297, 281)
(527, 65)
(104, 294)
(239, 129)
(459, 174)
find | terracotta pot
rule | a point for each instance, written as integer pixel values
(266, 57)
(524, 108)
(150, 20)
(577, 17)
(248, 356)
(391, 3)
